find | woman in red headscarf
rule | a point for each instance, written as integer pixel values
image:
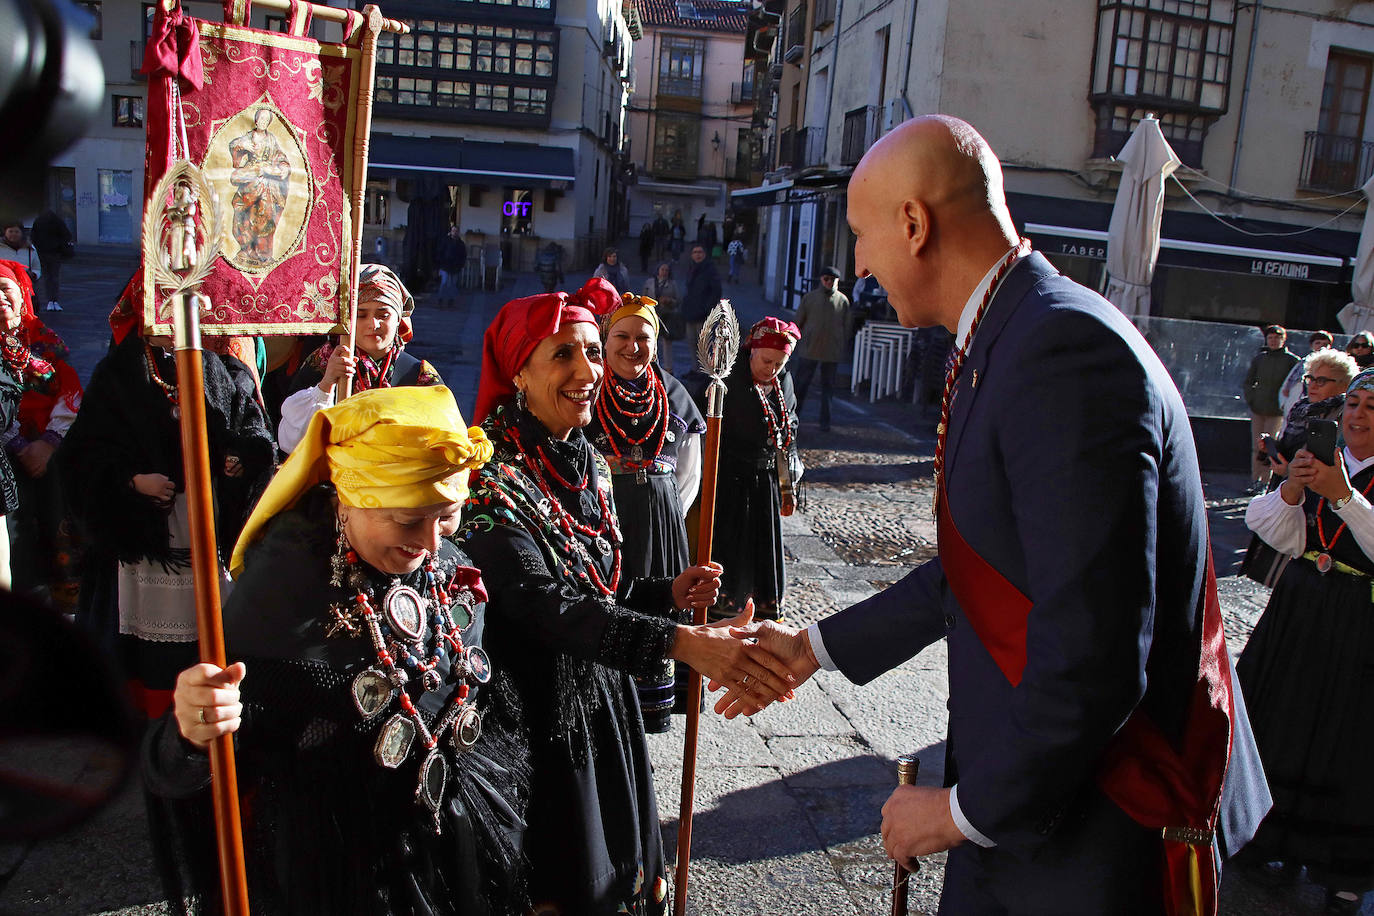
(758, 456)
(52, 396)
(567, 624)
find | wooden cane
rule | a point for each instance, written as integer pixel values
(373, 25)
(908, 765)
(205, 567)
(716, 350)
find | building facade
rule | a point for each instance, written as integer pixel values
(690, 122)
(1265, 105)
(505, 119)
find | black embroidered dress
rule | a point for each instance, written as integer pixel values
(327, 829)
(593, 836)
(747, 539)
(1309, 687)
(647, 501)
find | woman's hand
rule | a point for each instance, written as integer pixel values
(206, 702)
(233, 467)
(697, 586)
(342, 364)
(751, 673)
(34, 458)
(1278, 464)
(1329, 480)
(157, 487)
(1294, 487)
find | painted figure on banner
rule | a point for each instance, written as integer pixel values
(262, 181)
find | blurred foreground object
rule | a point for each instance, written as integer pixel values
(51, 87)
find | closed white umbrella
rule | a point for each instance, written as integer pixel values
(1355, 317)
(1133, 237)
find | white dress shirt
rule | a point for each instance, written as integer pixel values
(1284, 527)
(813, 632)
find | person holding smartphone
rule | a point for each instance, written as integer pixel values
(1305, 671)
(1326, 374)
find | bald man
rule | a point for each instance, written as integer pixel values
(1073, 582)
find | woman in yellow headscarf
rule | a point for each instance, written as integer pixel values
(380, 765)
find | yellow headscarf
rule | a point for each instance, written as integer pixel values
(641, 306)
(394, 448)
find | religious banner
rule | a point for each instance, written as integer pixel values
(270, 118)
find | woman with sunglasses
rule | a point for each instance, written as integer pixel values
(1361, 347)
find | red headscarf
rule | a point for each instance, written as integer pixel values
(127, 314)
(521, 324)
(46, 361)
(773, 334)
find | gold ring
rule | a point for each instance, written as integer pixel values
(745, 681)
(202, 716)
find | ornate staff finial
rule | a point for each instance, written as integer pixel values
(717, 347)
(182, 229)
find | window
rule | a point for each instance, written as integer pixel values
(1172, 57)
(1335, 156)
(375, 203)
(466, 66)
(275, 23)
(680, 65)
(677, 141)
(517, 212)
(127, 111)
(93, 7)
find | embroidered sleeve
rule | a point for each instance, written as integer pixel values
(635, 642)
(428, 375)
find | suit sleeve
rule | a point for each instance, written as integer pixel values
(1084, 505)
(879, 633)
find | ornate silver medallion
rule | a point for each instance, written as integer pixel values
(372, 693)
(670, 436)
(461, 610)
(394, 740)
(405, 611)
(601, 545)
(636, 453)
(433, 778)
(478, 664)
(467, 729)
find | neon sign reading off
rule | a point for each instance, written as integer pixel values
(516, 208)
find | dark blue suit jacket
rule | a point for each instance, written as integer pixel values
(1071, 468)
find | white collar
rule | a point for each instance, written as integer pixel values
(1353, 466)
(975, 300)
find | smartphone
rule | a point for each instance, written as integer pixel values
(1268, 448)
(1321, 440)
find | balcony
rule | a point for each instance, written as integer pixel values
(794, 45)
(1334, 163)
(742, 93)
(801, 148)
(860, 131)
(825, 14)
(680, 86)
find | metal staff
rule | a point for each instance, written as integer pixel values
(717, 347)
(179, 256)
(908, 765)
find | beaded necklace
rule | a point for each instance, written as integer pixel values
(16, 356)
(617, 398)
(1324, 561)
(169, 390)
(779, 429)
(411, 634)
(605, 537)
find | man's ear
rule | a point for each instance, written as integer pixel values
(915, 224)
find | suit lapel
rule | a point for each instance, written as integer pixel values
(1023, 277)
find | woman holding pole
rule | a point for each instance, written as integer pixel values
(566, 621)
(377, 746)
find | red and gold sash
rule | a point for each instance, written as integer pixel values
(1173, 789)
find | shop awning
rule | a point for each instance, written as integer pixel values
(668, 187)
(762, 196)
(470, 161)
(1280, 250)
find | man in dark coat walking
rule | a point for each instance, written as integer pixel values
(703, 292)
(53, 240)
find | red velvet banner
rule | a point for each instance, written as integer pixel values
(272, 126)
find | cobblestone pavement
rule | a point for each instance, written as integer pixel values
(787, 803)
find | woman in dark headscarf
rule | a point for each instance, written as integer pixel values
(758, 431)
(567, 621)
(649, 431)
(379, 359)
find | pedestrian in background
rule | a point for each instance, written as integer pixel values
(703, 291)
(737, 255)
(14, 246)
(1361, 347)
(1305, 670)
(662, 288)
(661, 232)
(452, 259)
(613, 272)
(646, 247)
(1293, 386)
(824, 322)
(55, 244)
(1262, 382)
(677, 236)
